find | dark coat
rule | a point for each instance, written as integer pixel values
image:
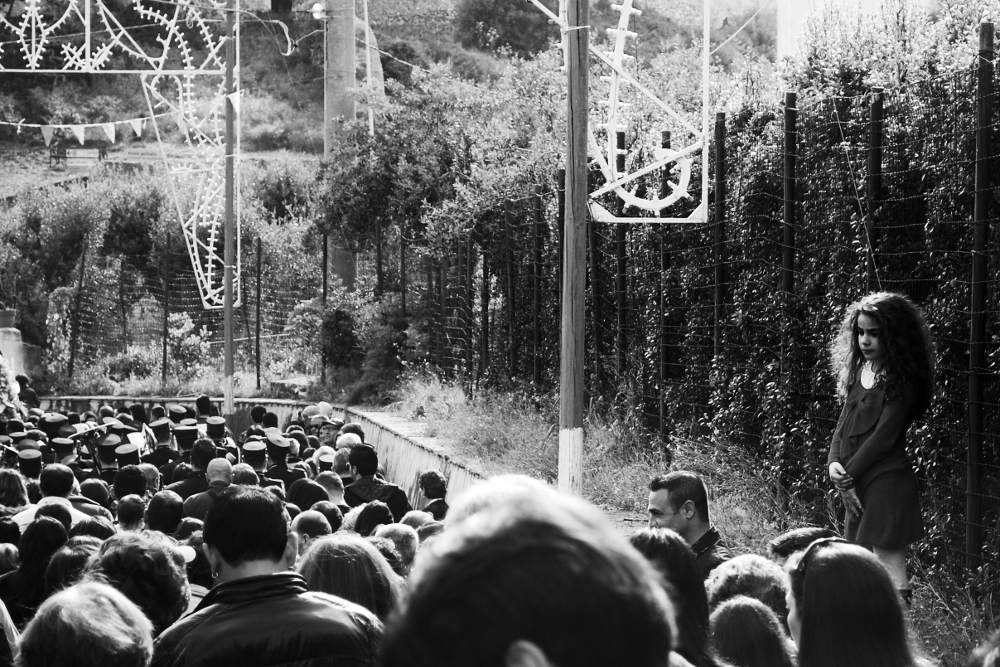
(368, 489)
(194, 483)
(270, 620)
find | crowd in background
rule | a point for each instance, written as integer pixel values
(129, 538)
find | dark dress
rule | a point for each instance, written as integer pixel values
(870, 442)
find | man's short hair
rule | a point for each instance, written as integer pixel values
(270, 420)
(342, 459)
(750, 575)
(434, 484)
(164, 512)
(58, 512)
(247, 524)
(546, 568)
(365, 459)
(683, 485)
(330, 481)
(204, 404)
(797, 539)
(312, 524)
(95, 526)
(202, 452)
(243, 473)
(87, 625)
(332, 513)
(55, 480)
(354, 428)
(152, 476)
(130, 481)
(257, 413)
(130, 511)
(405, 539)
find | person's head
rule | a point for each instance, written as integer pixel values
(247, 528)
(202, 453)
(350, 567)
(257, 414)
(750, 575)
(388, 550)
(535, 575)
(679, 501)
(353, 428)
(673, 558)
(310, 526)
(87, 625)
(152, 477)
(332, 513)
(187, 527)
(375, 514)
(405, 539)
(131, 509)
(219, 470)
(56, 480)
(328, 433)
(433, 484)
(164, 512)
(839, 590)
(203, 404)
(9, 558)
(797, 539)
(429, 531)
(96, 490)
(149, 570)
(342, 461)
(69, 562)
(243, 473)
(95, 526)
(130, 481)
(269, 420)
(333, 484)
(416, 518)
(746, 633)
(13, 489)
(888, 330)
(10, 532)
(363, 460)
(42, 538)
(22, 380)
(304, 493)
(60, 513)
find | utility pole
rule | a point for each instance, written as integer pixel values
(574, 263)
(338, 99)
(229, 256)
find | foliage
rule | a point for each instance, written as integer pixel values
(491, 26)
(188, 349)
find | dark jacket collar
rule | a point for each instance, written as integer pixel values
(706, 541)
(248, 589)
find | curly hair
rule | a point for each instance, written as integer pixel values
(906, 339)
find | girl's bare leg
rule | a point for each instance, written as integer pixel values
(895, 562)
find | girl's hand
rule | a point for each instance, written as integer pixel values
(851, 501)
(840, 477)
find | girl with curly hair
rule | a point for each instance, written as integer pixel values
(884, 361)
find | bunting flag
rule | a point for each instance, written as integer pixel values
(234, 99)
(109, 131)
(178, 117)
(137, 124)
(47, 131)
(78, 132)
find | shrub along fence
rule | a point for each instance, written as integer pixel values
(719, 331)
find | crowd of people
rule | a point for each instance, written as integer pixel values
(167, 539)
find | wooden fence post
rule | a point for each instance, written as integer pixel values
(874, 182)
(662, 301)
(511, 310)
(166, 318)
(719, 246)
(791, 150)
(257, 330)
(536, 288)
(74, 334)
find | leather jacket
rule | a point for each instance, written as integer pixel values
(271, 620)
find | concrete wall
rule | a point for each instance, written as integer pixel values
(13, 350)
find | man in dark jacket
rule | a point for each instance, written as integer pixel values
(364, 465)
(201, 455)
(260, 613)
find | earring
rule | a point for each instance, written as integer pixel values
(215, 575)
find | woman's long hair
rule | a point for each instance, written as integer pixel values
(13, 489)
(905, 339)
(747, 633)
(849, 610)
(350, 567)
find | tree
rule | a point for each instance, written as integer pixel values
(491, 25)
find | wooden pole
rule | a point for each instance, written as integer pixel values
(326, 282)
(719, 246)
(574, 273)
(977, 332)
(74, 336)
(511, 311)
(874, 182)
(536, 287)
(791, 149)
(484, 314)
(662, 304)
(257, 331)
(166, 318)
(230, 211)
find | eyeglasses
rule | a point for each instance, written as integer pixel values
(803, 564)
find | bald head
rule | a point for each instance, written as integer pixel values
(220, 470)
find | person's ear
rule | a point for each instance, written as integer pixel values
(688, 509)
(291, 549)
(523, 653)
(214, 558)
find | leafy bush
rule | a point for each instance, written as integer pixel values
(188, 349)
(270, 124)
(135, 362)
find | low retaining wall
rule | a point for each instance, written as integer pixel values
(403, 449)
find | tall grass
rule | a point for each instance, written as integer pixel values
(513, 432)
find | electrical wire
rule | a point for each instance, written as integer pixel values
(738, 30)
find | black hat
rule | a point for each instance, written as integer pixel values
(277, 446)
(66, 430)
(176, 412)
(63, 446)
(254, 451)
(27, 443)
(127, 455)
(17, 436)
(38, 434)
(185, 436)
(14, 425)
(48, 454)
(161, 430)
(29, 461)
(108, 444)
(326, 462)
(216, 428)
(51, 423)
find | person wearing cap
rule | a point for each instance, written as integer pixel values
(51, 424)
(185, 437)
(255, 455)
(367, 487)
(326, 431)
(202, 454)
(29, 462)
(163, 450)
(106, 457)
(220, 476)
(55, 484)
(277, 454)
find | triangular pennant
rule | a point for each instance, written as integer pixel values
(137, 124)
(178, 117)
(78, 132)
(234, 99)
(109, 130)
(47, 131)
